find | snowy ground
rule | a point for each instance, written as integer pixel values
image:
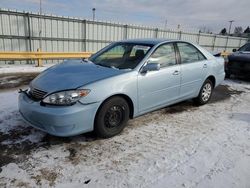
(178, 146)
(6, 69)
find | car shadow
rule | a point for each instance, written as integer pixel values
(221, 93)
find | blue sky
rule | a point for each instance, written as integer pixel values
(190, 14)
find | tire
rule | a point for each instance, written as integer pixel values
(205, 93)
(111, 117)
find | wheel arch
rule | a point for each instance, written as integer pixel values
(127, 99)
(212, 79)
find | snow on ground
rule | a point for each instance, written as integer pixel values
(6, 69)
(178, 146)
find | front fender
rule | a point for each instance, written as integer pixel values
(125, 84)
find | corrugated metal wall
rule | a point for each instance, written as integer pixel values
(19, 31)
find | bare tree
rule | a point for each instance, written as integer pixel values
(204, 29)
(238, 30)
(247, 30)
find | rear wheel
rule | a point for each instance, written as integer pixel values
(205, 93)
(112, 117)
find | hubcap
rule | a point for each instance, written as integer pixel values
(206, 92)
(114, 116)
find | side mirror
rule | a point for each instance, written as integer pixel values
(151, 67)
(234, 50)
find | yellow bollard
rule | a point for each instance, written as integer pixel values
(39, 60)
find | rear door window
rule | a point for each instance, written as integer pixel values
(189, 53)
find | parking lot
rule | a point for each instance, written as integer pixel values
(178, 146)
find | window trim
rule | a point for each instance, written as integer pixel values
(179, 54)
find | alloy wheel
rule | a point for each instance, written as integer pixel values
(206, 92)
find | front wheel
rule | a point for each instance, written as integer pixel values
(205, 93)
(112, 117)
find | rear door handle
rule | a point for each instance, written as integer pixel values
(176, 72)
(205, 66)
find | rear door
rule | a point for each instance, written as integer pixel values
(193, 69)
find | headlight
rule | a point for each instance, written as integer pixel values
(66, 97)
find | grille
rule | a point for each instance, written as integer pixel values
(37, 94)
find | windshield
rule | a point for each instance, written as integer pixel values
(122, 56)
(246, 47)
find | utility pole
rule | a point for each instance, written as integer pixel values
(178, 27)
(40, 25)
(230, 25)
(39, 61)
(93, 11)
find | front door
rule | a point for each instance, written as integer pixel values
(156, 88)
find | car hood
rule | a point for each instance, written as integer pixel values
(71, 75)
(239, 56)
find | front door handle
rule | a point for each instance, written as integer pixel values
(205, 66)
(176, 72)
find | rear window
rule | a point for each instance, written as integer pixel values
(246, 47)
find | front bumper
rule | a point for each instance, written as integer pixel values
(58, 120)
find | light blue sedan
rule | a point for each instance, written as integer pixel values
(122, 81)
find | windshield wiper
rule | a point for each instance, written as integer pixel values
(103, 65)
(113, 67)
(87, 61)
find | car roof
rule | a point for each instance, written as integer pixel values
(148, 41)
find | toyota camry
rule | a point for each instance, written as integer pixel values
(124, 80)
